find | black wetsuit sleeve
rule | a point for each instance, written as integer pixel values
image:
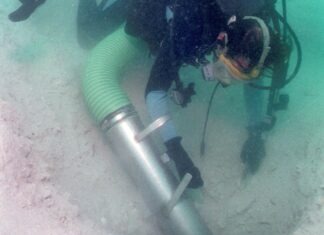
(176, 46)
(165, 69)
(195, 26)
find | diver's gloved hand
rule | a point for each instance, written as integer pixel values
(253, 151)
(183, 162)
(25, 10)
(182, 95)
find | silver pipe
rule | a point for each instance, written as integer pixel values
(142, 161)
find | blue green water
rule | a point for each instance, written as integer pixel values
(271, 202)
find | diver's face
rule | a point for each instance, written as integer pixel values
(242, 63)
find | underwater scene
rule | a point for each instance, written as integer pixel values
(141, 117)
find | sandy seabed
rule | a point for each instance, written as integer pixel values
(58, 176)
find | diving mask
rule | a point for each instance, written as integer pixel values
(228, 70)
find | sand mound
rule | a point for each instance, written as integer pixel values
(30, 204)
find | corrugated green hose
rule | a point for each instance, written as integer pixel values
(101, 86)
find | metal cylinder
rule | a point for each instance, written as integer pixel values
(141, 159)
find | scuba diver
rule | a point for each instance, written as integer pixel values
(235, 33)
(184, 32)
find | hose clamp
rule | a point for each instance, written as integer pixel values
(117, 116)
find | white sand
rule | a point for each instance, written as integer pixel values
(58, 176)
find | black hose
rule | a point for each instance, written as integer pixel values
(298, 48)
(299, 55)
(284, 13)
(202, 143)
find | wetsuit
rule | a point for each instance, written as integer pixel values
(190, 36)
(192, 31)
(186, 40)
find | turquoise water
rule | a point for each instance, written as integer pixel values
(40, 76)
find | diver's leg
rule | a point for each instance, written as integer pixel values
(25, 10)
(253, 150)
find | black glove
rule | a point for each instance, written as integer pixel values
(183, 162)
(25, 10)
(253, 151)
(182, 95)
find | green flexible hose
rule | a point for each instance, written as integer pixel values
(101, 86)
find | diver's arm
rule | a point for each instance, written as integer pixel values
(164, 71)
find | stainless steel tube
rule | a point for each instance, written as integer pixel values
(141, 159)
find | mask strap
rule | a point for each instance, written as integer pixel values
(266, 39)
